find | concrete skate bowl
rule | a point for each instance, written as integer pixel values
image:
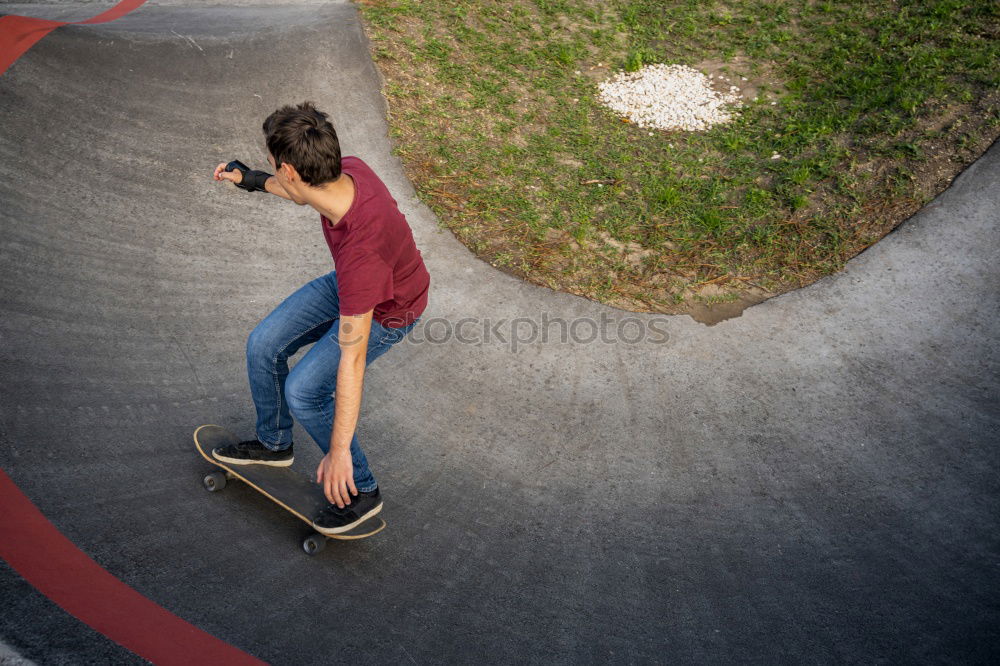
(815, 481)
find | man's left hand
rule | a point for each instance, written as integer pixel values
(336, 473)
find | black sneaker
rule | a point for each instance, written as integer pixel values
(252, 452)
(363, 506)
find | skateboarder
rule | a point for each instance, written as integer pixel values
(353, 314)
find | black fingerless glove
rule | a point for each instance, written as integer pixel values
(253, 181)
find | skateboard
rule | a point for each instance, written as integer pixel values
(288, 488)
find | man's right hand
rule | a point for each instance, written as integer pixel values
(236, 176)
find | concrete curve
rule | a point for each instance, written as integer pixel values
(814, 481)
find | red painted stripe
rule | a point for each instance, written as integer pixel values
(118, 11)
(19, 33)
(65, 574)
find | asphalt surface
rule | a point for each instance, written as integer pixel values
(815, 481)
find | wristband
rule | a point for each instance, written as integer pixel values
(252, 181)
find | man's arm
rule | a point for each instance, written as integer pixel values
(336, 470)
(354, 332)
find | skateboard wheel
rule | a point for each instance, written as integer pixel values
(214, 481)
(313, 543)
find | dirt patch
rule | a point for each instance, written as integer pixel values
(753, 79)
(711, 314)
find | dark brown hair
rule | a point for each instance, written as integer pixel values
(303, 137)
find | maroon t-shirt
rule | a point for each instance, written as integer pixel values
(378, 265)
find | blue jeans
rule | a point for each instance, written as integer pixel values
(309, 315)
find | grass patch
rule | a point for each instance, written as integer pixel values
(873, 107)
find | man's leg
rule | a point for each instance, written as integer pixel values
(312, 383)
(303, 317)
(309, 387)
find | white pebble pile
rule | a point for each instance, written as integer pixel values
(669, 97)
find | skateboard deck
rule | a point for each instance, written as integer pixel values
(285, 486)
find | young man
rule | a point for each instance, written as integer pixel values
(353, 314)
